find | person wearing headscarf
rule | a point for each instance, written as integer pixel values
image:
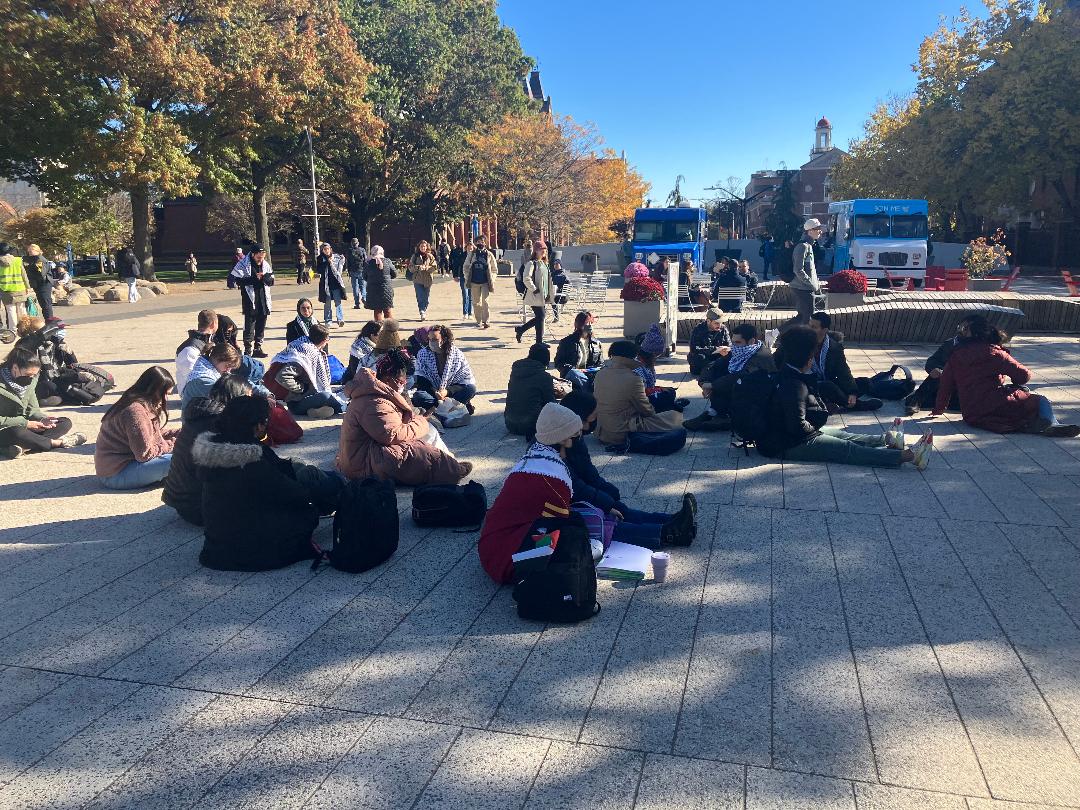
(379, 272)
(330, 268)
(300, 376)
(254, 275)
(300, 326)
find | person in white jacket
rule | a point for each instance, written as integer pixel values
(188, 352)
(539, 290)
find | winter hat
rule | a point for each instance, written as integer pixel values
(653, 342)
(556, 424)
(538, 244)
(714, 315)
(623, 348)
(540, 353)
(421, 335)
(388, 337)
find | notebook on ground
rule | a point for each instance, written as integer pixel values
(624, 561)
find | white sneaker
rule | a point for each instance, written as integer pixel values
(894, 436)
(922, 450)
(325, 412)
(73, 440)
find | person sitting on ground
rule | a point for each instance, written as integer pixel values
(443, 372)
(362, 351)
(383, 436)
(976, 371)
(387, 340)
(529, 390)
(746, 355)
(579, 354)
(300, 326)
(250, 369)
(729, 279)
(134, 449)
(926, 394)
(836, 384)
(57, 360)
(183, 486)
(256, 515)
(417, 340)
(648, 529)
(198, 342)
(300, 376)
(797, 417)
(662, 397)
(219, 359)
(708, 341)
(623, 409)
(24, 427)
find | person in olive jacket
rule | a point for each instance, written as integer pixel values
(529, 390)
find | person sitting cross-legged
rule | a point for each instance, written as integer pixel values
(443, 372)
(746, 355)
(300, 376)
(625, 417)
(579, 353)
(707, 340)
(24, 427)
(836, 384)
(198, 342)
(797, 417)
(662, 397)
(134, 448)
(530, 388)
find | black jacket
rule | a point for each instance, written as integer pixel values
(837, 370)
(703, 342)
(569, 354)
(183, 486)
(795, 413)
(589, 485)
(529, 390)
(256, 515)
(354, 260)
(127, 265)
(940, 357)
(195, 339)
(35, 271)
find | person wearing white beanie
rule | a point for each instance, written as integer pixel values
(556, 425)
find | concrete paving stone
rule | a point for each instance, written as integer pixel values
(759, 482)
(551, 695)
(1015, 500)
(665, 481)
(919, 740)
(1046, 638)
(1060, 492)
(1005, 454)
(856, 489)
(819, 725)
(960, 496)
(908, 494)
(1055, 561)
(783, 790)
(1021, 749)
(290, 762)
(880, 797)
(677, 783)
(807, 486)
(990, 804)
(40, 727)
(713, 479)
(89, 762)
(178, 771)
(1049, 454)
(391, 677)
(586, 776)
(726, 710)
(957, 451)
(388, 766)
(485, 771)
(21, 687)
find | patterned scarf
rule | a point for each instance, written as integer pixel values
(314, 363)
(305, 324)
(9, 381)
(740, 356)
(540, 459)
(818, 365)
(361, 348)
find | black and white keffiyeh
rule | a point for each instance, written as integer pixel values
(314, 363)
(540, 459)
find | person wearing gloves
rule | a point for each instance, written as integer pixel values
(254, 275)
(480, 270)
(442, 371)
(300, 376)
(539, 291)
(804, 283)
(330, 268)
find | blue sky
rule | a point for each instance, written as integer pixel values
(712, 88)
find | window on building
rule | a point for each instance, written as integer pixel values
(807, 209)
(828, 188)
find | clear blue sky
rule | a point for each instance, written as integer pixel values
(713, 88)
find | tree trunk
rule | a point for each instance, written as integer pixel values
(140, 222)
(258, 210)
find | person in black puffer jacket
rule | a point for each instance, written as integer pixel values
(257, 515)
(530, 388)
(183, 488)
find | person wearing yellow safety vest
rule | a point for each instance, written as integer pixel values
(14, 286)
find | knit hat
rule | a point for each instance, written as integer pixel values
(623, 348)
(421, 335)
(388, 337)
(714, 315)
(653, 342)
(556, 424)
(539, 245)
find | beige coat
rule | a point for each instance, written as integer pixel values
(423, 269)
(493, 269)
(539, 291)
(621, 404)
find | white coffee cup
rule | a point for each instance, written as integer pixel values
(660, 560)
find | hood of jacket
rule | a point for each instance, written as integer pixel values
(212, 454)
(366, 384)
(201, 408)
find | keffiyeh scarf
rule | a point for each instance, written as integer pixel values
(740, 356)
(9, 381)
(314, 363)
(543, 460)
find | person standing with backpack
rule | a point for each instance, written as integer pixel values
(481, 269)
(457, 269)
(537, 292)
(128, 267)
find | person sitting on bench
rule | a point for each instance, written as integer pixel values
(731, 278)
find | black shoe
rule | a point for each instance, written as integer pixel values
(259, 352)
(681, 403)
(868, 404)
(517, 334)
(1062, 431)
(680, 530)
(708, 424)
(50, 402)
(689, 504)
(247, 349)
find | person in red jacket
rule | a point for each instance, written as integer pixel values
(977, 371)
(539, 485)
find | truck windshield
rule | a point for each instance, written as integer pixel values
(663, 232)
(909, 226)
(872, 225)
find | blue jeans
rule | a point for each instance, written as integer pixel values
(640, 528)
(335, 299)
(466, 297)
(840, 447)
(359, 288)
(139, 474)
(317, 400)
(423, 297)
(424, 397)
(578, 378)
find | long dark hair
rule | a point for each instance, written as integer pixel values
(152, 389)
(226, 331)
(237, 422)
(982, 331)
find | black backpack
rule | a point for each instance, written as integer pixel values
(449, 505)
(479, 271)
(565, 591)
(365, 526)
(883, 386)
(519, 281)
(750, 400)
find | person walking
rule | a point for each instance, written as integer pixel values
(301, 256)
(355, 257)
(442, 255)
(379, 273)
(539, 291)
(423, 267)
(330, 268)
(804, 280)
(38, 269)
(191, 264)
(767, 252)
(254, 276)
(129, 268)
(457, 270)
(481, 267)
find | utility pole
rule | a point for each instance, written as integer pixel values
(314, 190)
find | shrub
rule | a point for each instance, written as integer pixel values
(983, 256)
(642, 289)
(848, 281)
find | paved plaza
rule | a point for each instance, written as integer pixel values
(836, 637)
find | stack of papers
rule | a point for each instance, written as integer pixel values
(624, 561)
